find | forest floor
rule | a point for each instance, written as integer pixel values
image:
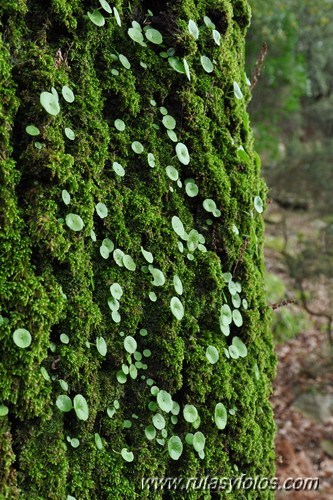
(302, 397)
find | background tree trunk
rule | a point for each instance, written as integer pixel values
(54, 280)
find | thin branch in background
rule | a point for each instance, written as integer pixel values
(259, 64)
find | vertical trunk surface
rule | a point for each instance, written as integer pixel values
(100, 324)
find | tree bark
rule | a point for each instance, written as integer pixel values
(57, 271)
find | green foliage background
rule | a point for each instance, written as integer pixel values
(54, 280)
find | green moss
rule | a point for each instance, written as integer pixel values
(54, 280)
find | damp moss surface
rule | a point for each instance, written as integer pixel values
(141, 174)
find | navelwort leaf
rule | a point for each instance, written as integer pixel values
(81, 407)
(237, 91)
(67, 94)
(101, 346)
(258, 204)
(74, 222)
(212, 354)
(177, 308)
(96, 17)
(22, 338)
(130, 344)
(207, 64)
(193, 29)
(190, 413)
(101, 210)
(50, 102)
(154, 36)
(164, 401)
(182, 153)
(32, 130)
(128, 456)
(175, 447)
(220, 416)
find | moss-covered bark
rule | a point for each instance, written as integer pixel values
(55, 281)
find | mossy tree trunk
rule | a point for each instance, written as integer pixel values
(56, 273)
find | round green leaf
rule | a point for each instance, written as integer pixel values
(178, 284)
(32, 130)
(177, 308)
(169, 122)
(187, 69)
(130, 344)
(225, 315)
(152, 296)
(128, 456)
(208, 22)
(137, 147)
(178, 226)
(147, 255)
(3, 410)
(75, 443)
(98, 441)
(64, 403)
(233, 351)
(172, 172)
(175, 447)
(63, 385)
(81, 407)
(176, 64)
(258, 204)
(129, 263)
(190, 413)
(191, 189)
(220, 416)
(209, 205)
(150, 432)
(159, 278)
(237, 317)
(45, 375)
(193, 29)
(116, 291)
(240, 346)
(212, 354)
(217, 37)
(133, 371)
(182, 153)
(121, 377)
(199, 441)
(236, 300)
(105, 6)
(151, 160)
(96, 17)
(159, 421)
(113, 304)
(119, 169)
(207, 64)
(108, 244)
(117, 16)
(66, 197)
(136, 35)
(237, 91)
(101, 346)
(101, 210)
(64, 338)
(67, 94)
(124, 61)
(154, 36)
(74, 222)
(120, 125)
(164, 401)
(22, 338)
(50, 103)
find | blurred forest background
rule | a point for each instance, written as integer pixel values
(292, 117)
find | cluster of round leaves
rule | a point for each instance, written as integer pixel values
(98, 18)
(79, 403)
